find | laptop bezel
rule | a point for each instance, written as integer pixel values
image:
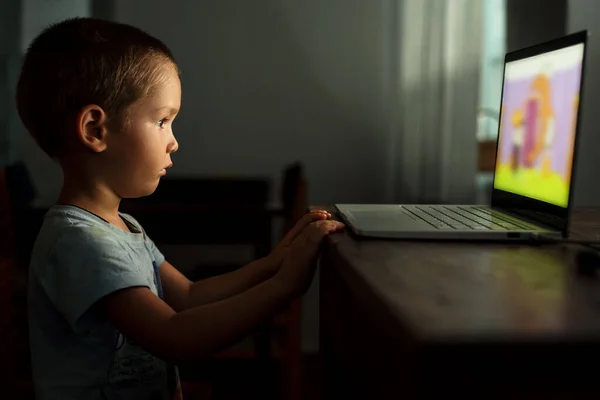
(551, 215)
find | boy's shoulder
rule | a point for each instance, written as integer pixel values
(79, 258)
(70, 222)
(80, 233)
(74, 219)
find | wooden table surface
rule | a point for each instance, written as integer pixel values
(385, 305)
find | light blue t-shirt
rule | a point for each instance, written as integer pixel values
(78, 258)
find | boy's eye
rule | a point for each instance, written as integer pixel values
(162, 122)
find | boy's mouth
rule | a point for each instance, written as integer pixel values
(163, 171)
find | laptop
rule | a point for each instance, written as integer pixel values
(534, 166)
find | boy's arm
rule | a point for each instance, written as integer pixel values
(147, 320)
(181, 293)
(197, 332)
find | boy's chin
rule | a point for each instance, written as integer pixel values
(141, 191)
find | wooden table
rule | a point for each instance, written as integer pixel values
(417, 319)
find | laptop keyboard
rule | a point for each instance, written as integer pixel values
(473, 218)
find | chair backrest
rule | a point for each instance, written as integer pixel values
(7, 274)
(26, 221)
(16, 193)
(207, 211)
(222, 192)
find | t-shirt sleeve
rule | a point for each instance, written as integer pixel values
(86, 267)
(157, 256)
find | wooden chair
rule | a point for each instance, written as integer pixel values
(215, 209)
(15, 376)
(7, 272)
(229, 212)
(210, 212)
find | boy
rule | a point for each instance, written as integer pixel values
(108, 314)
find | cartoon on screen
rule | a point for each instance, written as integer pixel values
(536, 141)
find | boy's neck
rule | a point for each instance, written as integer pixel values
(95, 199)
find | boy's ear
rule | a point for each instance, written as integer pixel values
(91, 128)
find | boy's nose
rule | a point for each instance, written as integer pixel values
(173, 146)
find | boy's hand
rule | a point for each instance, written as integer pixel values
(277, 256)
(298, 267)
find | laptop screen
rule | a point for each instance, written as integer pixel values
(540, 103)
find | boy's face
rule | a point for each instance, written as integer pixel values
(139, 154)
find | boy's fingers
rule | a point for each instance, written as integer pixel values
(304, 221)
(320, 212)
(315, 232)
(320, 229)
(330, 225)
